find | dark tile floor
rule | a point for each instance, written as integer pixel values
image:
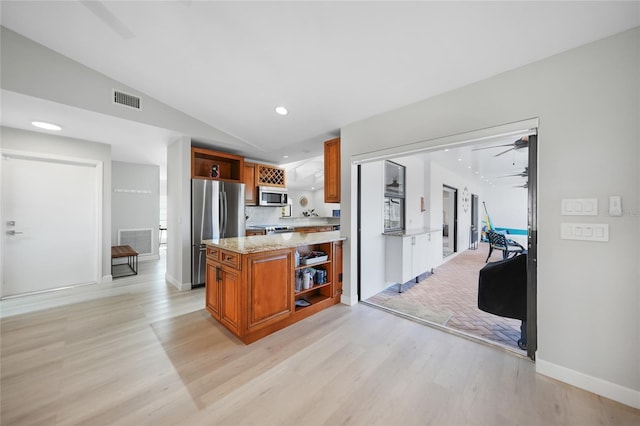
(453, 287)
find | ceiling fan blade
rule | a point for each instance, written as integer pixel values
(489, 147)
(504, 152)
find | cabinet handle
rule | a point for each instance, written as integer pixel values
(218, 270)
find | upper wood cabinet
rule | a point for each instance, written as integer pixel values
(332, 171)
(214, 165)
(270, 176)
(250, 186)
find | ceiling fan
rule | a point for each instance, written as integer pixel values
(524, 173)
(523, 142)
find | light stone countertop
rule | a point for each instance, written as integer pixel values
(260, 243)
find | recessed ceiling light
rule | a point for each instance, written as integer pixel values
(282, 110)
(313, 187)
(468, 167)
(285, 156)
(446, 150)
(47, 126)
(459, 159)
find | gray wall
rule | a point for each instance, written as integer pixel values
(42, 143)
(179, 214)
(587, 103)
(135, 199)
(32, 69)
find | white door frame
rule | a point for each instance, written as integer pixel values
(98, 165)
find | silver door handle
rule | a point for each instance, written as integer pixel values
(12, 232)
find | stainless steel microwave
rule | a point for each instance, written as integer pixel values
(272, 196)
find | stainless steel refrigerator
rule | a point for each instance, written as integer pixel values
(217, 211)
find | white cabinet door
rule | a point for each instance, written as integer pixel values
(420, 254)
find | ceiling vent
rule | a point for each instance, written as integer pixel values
(126, 99)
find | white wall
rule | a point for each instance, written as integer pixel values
(32, 69)
(135, 200)
(323, 209)
(373, 251)
(507, 206)
(586, 100)
(179, 214)
(442, 176)
(43, 143)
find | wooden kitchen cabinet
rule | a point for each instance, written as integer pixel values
(213, 290)
(222, 289)
(332, 171)
(253, 294)
(267, 175)
(230, 168)
(337, 269)
(269, 299)
(306, 229)
(250, 185)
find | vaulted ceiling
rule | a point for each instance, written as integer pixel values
(230, 64)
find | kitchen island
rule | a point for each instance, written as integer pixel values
(251, 281)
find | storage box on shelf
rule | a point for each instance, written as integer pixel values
(208, 164)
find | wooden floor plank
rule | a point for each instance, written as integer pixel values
(140, 352)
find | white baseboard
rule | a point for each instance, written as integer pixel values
(598, 386)
(347, 300)
(147, 257)
(106, 279)
(177, 284)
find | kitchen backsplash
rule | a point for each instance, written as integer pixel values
(272, 216)
(262, 215)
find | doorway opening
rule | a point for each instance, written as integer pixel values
(449, 220)
(495, 170)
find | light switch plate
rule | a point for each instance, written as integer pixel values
(579, 207)
(615, 205)
(584, 231)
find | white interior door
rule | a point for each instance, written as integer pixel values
(50, 218)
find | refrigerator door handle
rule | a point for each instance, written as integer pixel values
(223, 213)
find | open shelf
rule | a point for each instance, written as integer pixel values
(309, 290)
(314, 299)
(314, 266)
(230, 167)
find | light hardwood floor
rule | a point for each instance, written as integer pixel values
(139, 352)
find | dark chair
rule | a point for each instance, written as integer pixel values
(502, 291)
(499, 241)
